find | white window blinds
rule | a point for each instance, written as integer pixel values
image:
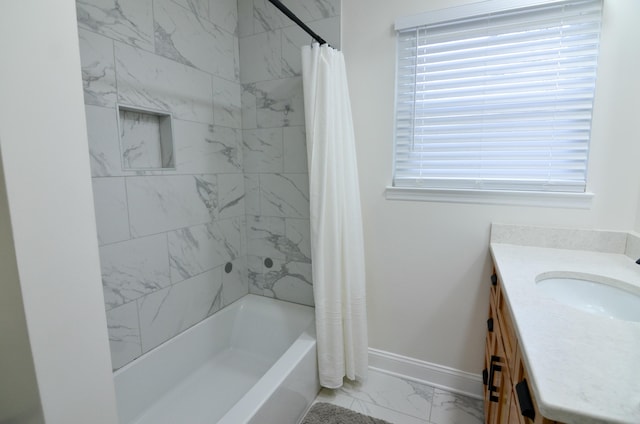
(498, 101)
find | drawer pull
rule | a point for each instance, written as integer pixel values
(494, 279)
(524, 399)
(485, 376)
(493, 367)
(490, 325)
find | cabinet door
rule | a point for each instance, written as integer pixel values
(503, 313)
(515, 417)
(505, 368)
(485, 377)
(502, 380)
(498, 387)
(497, 383)
(490, 407)
(520, 375)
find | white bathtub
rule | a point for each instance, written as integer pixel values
(252, 362)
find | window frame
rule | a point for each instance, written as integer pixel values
(564, 199)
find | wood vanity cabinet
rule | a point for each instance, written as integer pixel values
(508, 398)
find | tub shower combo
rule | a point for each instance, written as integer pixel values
(185, 168)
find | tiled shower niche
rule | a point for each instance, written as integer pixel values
(187, 230)
(146, 139)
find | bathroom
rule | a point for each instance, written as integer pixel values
(429, 258)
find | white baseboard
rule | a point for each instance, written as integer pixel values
(439, 376)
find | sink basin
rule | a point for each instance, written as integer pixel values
(593, 296)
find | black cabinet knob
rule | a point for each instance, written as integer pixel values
(524, 399)
(494, 279)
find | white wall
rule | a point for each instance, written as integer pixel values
(428, 263)
(46, 168)
(19, 399)
(637, 226)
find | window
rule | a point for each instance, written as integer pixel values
(492, 96)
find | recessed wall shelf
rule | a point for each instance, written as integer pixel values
(146, 138)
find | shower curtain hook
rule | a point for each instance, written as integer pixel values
(314, 41)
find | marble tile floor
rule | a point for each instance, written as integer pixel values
(401, 401)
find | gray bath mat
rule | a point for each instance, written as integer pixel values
(325, 413)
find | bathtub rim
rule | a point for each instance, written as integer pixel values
(238, 303)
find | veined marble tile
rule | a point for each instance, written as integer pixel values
(224, 13)
(266, 17)
(198, 7)
(161, 203)
(255, 275)
(124, 334)
(252, 194)
(449, 408)
(98, 69)
(227, 103)
(392, 392)
(169, 311)
(279, 103)
(260, 57)
(201, 248)
(266, 237)
(249, 110)
(245, 18)
(140, 140)
(234, 283)
(206, 149)
(279, 238)
(295, 150)
(236, 46)
(230, 195)
(237, 59)
(185, 37)
(104, 144)
(284, 195)
(133, 268)
(146, 80)
(128, 21)
(316, 9)
(232, 137)
(262, 150)
(293, 38)
(290, 281)
(298, 235)
(241, 222)
(110, 200)
(335, 397)
(390, 398)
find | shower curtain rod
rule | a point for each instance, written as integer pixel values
(284, 9)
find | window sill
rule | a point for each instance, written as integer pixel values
(493, 197)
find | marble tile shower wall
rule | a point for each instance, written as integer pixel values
(274, 149)
(166, 235)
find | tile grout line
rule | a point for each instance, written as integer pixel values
(355, 399)
(427, 419)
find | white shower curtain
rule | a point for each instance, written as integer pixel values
(337, 246)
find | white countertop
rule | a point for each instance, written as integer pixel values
(584, 368)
